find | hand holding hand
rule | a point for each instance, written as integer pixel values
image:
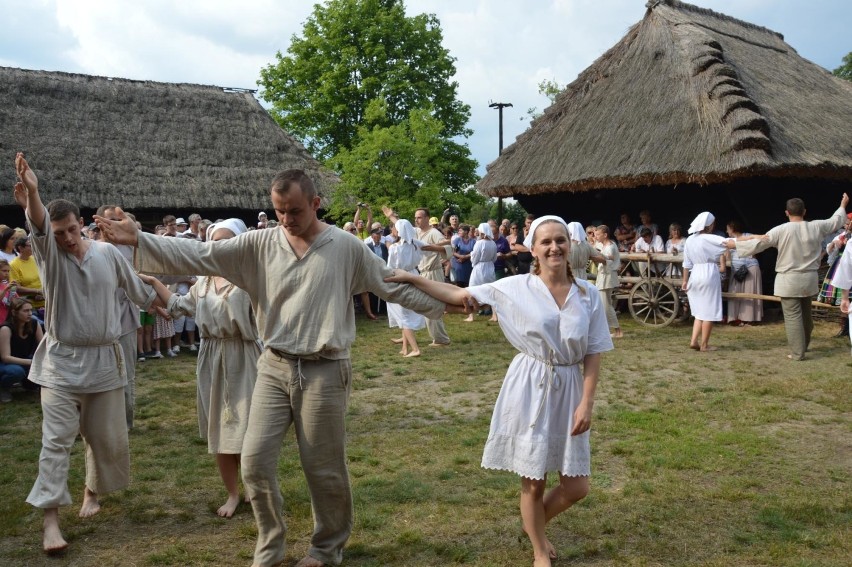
(121, 231)
(844, 306)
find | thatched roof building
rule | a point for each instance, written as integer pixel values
(691, 110)
(153, 148)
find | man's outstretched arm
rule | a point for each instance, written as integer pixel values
(26, 192)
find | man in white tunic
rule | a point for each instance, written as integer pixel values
(301, 278)
(80, 363)
(799, 244)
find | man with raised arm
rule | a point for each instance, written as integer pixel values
(79, 364)
(301, 278)
(799, 244)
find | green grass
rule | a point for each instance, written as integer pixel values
(737, 457)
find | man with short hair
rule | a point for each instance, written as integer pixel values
(194, 221)
(80, 367)
(170, 225)
(796, 282)
(180, 226)
(301, 278)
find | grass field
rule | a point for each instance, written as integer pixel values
(736, 457)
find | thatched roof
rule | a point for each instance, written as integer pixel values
(688, 96)
(141, 144)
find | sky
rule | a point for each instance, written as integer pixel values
(503, 48)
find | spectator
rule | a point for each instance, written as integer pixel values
(504, 251)
(170, 224)
(649, 242)
(582, 253)
(262, 220)
(645, 221)
(674, 246)
(8, 289)
(25, 274)
(19, 337)
(202, 229)
(625, 233)
(362, 229)
(193, 230)
(7, 244)
(463, 244)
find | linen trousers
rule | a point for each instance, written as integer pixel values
(99, 418)
(128, 350)
(312, 395)
(606, 299)
(436, 327)
(798, 324)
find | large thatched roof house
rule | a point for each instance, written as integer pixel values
(153, 148)
(692, 110)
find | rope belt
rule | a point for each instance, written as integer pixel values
(297, 359)
(550, 381)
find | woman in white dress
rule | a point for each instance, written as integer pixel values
(482, 259)
(227, 362)
(404, 254)
(703, 263)
(543, 413)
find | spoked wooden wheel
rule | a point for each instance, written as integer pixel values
(654, 303)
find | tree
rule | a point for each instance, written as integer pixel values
(406, 165)
(845, 70)
(353, 52)
(548, 88)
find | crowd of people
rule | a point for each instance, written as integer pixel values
(274, 313)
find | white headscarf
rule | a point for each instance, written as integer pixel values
(576, 232)
(701, 222)
(234, 225)
(405, 230)
(529, 239)
(485, 230)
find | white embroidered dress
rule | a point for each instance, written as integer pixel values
(701, 255)
(405, 254)
(534, 413)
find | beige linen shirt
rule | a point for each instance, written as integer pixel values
(80, 352)
(303, 306)
(799, 246)
(431, 260)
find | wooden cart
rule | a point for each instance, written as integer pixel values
(656, 300)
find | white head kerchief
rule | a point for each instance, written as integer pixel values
(576, 232)
(701, 222)
(405, 230)
(234, 225)
(485, 230)
(529, 239)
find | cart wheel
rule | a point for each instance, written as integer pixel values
(654, 303)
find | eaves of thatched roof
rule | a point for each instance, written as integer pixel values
(142, 144)
(688, 96)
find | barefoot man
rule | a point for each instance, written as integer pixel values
(301, 278)
(79, 364)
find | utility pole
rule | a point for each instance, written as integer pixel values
(500, 106)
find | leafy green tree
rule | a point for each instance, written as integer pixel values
(845, 70)
(353, 52)
(548, 88)
(406, 165)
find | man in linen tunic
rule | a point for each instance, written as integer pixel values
(79, 364)
(796, 280)
(306, 319)
(430, 268)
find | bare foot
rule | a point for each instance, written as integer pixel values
(694, 347)
(397, 341)
(90, 506)
(542, 562)
(402, 352)
(618, 334)
(308, 561)
(493, 319)
(439, 344)
(229, 507)
(412, 353)
(709, 349)
(551, 551)
(52, 540)
(371, 317)
(469, 319)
